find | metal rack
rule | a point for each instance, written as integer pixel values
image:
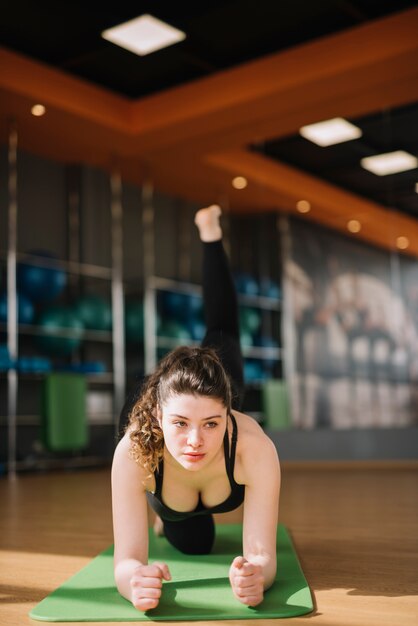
(114, 274)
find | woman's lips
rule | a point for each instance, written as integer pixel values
(194, 456)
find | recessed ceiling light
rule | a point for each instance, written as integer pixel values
(330, 132)
(389, 163)
(402, 243)
(38, 110)
(239, 182)
(354, 226)
(303, 206)
(143, 35)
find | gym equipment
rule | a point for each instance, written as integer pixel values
(88, 367)
(25, 309)
(246, 284)
(197, 329)
(246, 338)
(249, 319)
(174, 305)
(53, 323)
(199, 589)
(134, 321)
(94, 312)
(33, 365)
(181, 307)
(6, 363)
(264, 341)
(253, 370)
(269, 288)
(40, 283)
(275, 402)
(64, 420)
(175, 330)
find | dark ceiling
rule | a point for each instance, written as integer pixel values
(222, 35)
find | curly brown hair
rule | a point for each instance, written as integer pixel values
(186, 370)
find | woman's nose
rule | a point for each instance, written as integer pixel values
(194, 438)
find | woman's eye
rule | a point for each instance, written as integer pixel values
(211, 424)
(180, 424)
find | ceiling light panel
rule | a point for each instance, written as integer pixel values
(143, 35)
(390, 163)
(330, 132)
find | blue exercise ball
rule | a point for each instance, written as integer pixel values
(269, 288)
(175, 305)
(25, 309)
(197, 329)
(95, 312)
(246, 284)
(253, 371)
(41, 284)
(53, 322)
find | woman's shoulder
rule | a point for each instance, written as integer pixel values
(250, 433)
(255, 449)
(124, 461)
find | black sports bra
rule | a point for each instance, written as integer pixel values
(235, 498)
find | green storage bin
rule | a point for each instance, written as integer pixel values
(64, 416)
(276, 408)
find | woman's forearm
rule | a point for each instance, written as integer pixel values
(124, 571)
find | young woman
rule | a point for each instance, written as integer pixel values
(189, 452)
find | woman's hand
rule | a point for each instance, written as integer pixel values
(247, 581)
(146, 584)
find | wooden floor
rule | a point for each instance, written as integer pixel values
(355, 530)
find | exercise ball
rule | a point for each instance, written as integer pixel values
(266, 341)
(175, 305)
(41, 284)
(53, 322)
(246, 338)
(175, 330)
(269, 288)
(197, 329)
(95, 312)
(253, 370)
(134, 321)
(246, 284)
(249, 319)
(195, 306)
(25, 309)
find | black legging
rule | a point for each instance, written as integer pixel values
(221, 316)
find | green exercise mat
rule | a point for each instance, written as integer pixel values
(199, 589)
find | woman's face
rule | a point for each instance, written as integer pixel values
(193, 428)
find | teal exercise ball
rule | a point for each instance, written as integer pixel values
(175, 330)
(249, 319)
(52, 323)
(95, 312)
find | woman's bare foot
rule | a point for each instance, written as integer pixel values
(207, 221)
(158, 526)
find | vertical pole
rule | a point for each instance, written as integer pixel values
(150, 303)
(12, 342)
(288, 352)
(118, 325)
